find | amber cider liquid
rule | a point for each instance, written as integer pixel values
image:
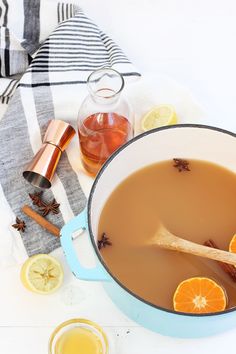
(78, 341)
(197, 205)
(100, 135)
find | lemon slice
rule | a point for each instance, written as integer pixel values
(42, 274)
(159, 116)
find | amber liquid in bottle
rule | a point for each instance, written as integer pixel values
(100, 135)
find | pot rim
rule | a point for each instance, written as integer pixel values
(112, 157)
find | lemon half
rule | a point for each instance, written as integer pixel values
(42, 274)
(159, 116)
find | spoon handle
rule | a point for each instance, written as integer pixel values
(169, 241)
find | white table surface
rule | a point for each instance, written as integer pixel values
(193, 44)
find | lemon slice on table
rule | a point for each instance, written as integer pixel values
(159, 116)
(42, 274)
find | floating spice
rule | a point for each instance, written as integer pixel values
(227, 268)
(181, 165)
(36, 197)
(19, 225)
(104, 241)
(51, 207)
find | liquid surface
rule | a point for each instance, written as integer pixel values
(78, 341)
(100, 135)
(196, 205)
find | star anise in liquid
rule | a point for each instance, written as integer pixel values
(104, 241)
(181, 165)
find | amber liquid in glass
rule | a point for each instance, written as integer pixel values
(196, 205)
(78, 340)
(100, 135)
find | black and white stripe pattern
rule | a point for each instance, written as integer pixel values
(5, 70)
(31, 26)
(7, 91)
(18, 45)
(77, 45)
(65, 11)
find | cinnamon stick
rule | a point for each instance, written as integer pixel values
(227, 268)
(41, 220)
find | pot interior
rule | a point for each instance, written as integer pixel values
(189, 142)
(183, 141)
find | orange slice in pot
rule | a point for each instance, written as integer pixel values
(232, 245)
(199, 295)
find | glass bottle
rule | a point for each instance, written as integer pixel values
(105, 120)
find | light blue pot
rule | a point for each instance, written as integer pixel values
(188, 141)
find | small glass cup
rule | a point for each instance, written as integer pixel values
(64, 327)
(105, 120)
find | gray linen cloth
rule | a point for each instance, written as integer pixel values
(60, 66)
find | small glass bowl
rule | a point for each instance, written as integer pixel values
(74, 323)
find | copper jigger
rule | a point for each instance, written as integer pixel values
(39, 172)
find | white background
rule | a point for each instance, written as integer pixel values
(191, 44)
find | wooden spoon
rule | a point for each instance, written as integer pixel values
(165, 239)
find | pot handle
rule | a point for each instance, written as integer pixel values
(79, 222)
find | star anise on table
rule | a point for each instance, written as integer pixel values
(19, 225)
(181, 165)
(51, 207)
(104, 241)
(36, 197)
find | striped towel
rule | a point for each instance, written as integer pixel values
(22, 37)
(51, 87)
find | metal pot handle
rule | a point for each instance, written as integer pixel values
(79, 222)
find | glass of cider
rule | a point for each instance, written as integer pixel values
(105, 119)
(78, 336)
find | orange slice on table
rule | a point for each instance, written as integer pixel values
(199, 295)
(232, 245)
